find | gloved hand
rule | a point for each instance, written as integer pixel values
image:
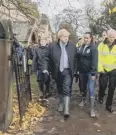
(46, 77)
(45, 71)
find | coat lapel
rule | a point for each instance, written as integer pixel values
(69, 53)
(58, 52)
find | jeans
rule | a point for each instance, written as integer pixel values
(86, 83)
(91, 85)
(83, 79)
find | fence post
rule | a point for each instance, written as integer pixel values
(5, 76)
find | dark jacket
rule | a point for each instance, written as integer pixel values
(88, 59)
(29, 53)
(54, 55)
(39, 56)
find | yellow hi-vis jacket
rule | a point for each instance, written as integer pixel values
(77, 45)
(106, 58)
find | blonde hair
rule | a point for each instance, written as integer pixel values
(63, 32)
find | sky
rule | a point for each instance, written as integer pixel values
(53, 7)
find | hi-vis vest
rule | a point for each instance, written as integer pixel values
(106, 58)
(77, 45)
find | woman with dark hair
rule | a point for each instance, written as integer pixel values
(107, 68)
(88, 60)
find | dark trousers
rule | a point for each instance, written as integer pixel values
(64, 83)
(103, 83)
(44, 81)
(86, 83)
(83, 80)
(104, 80)
(111, 89)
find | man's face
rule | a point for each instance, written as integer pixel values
(87, 39)
(104, 35)
(49, 40)
(43, 42)
(111, 38)
(64, 38)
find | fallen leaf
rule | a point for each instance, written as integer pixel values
(31, 117)
(96, 124)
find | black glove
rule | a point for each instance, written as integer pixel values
(76, 76)
(46, 77)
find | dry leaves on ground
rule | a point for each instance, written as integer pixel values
(32, 115)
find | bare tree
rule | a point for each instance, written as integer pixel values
(99, 20)
(94, 18)
(70, 16)
(109, 13)
(27, 7)
(70, 5)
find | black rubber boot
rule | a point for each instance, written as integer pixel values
(109, 109)
(61, 103)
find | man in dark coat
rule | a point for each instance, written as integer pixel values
(61, 56)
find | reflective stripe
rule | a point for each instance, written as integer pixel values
(111, 66)
(100, 52)
(108, 53)
(104, 53)
(113, 53)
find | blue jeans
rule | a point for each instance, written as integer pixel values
(91, 85)
(86, 83)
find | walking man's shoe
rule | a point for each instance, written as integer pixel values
(83, 102)
(109, 109)
(101, 100)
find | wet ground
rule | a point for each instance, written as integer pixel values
(79, 122)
